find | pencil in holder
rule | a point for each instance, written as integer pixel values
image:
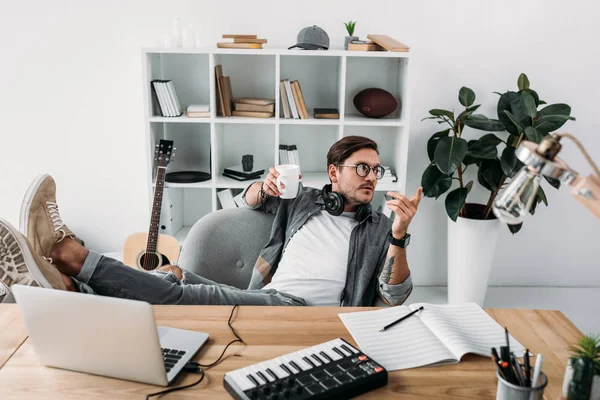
(510, 391)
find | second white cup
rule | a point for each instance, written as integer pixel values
(289, 176)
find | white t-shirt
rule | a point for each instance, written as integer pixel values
(314, 263)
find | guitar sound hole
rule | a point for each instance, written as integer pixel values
(150, 261)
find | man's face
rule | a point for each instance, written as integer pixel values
(356, 189)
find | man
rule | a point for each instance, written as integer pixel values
(312, 257)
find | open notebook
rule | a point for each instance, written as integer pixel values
(438, 334)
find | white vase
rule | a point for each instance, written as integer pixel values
(471, 248)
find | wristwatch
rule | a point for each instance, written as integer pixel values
(402, 242)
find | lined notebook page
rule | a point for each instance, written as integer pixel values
(408, 344)
(465, 328)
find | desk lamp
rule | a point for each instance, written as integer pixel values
(516, 201)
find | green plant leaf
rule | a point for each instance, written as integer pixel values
(541, 102)
(556, 109)
(438, 113)
(468, 160)
(511, 101)
(523, 82)
(482, 149)
(550, 123)
(449, 153)
(434, 182)
(555, 183)
(484, 125)
(541, 196)
(478, 117)
(455, 201)
(473, 108)
(509, 162)
(490, 137)
(533, 93)
(514, 228)
(490, 174)
(514, 120)
(433, 141)
(533, 134)
(528, 104)
(466, 96)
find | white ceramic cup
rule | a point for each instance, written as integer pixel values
(289, 176)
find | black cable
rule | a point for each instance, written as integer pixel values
(199, 371)
(195, 367)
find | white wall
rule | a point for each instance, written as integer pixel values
(71, 94)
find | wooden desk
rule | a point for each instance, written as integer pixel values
(273, 331)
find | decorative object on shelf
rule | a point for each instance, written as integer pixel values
(375, 102)
(147, 251)
(312, 38)
(388, 43)
(187, 177)
(288, 154)
(350, 25)
(247, 162)
(389, 176)
(582, 376)
(238, 172)
(327, 113)
(473, 229)
(242, 42)
(198, 111)
(364, 45)
(166, 102)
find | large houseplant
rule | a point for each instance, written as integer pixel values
(451, 155)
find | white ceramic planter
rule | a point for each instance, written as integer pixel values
(471, 248)
(594, 395)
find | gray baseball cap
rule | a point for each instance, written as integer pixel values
(312, 38)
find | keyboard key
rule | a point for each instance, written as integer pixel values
(342, 378)
(318, 359)
(346, 365)
(315, 388)
(253, 379)
(286, 369)
(356, 373)
(270, 372)
(172, 351)
(332, 370)
(308, 361)
(262, 376)
(341, 353)
(181, 353)
(347, 349)
(296, 367)
(305, 380)
(328, 383)
(326, 357)
(318, 375)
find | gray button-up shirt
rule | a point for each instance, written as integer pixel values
(367, 251)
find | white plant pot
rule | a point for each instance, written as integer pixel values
(594, 394)
(471, 248)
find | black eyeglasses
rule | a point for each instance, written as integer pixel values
(363, 169)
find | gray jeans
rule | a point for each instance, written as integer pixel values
(108, 277)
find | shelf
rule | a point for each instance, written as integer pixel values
(181, 234)
(358, 120)
(225, 182)
(277, 51)
(310, 121)
(244, 120)
(196, 185)
(181, 119)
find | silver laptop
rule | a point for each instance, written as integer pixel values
(103, 335)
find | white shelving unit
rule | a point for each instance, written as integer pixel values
(329, 79)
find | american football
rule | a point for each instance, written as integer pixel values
(375, 102)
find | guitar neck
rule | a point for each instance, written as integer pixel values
(156, 209)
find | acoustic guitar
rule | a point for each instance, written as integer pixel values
(148, 251)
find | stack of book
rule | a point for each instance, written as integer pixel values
(240, 107)
(292, 100)
(388, 177)
(327, 113)
(165, 98)
(288, 154)
(198, 111)
(242, 42)
(237, 172)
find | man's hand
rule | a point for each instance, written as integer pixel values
(270, 184)
(405, 209)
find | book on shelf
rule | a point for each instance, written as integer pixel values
(227, 94)
(198, 111)
(252, 114)
(220, 99)
(224, 45)
(364, 47)
(241, 179)
(290, 96)
(166, 99)
(237, 36)
(226, 199)
(388, 43)
(238, 170)
(299, 99)
(285, 105)
(327, 113)
(288, 154)
(242, 42)
(254, 107)
(253, 100)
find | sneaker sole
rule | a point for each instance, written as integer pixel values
(17, 265)
(27, 200)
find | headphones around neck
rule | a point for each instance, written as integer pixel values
(335, 203)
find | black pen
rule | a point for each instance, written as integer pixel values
(517, 366)
(497, 361)
(507, 342)
(401, 319)
(527, 369)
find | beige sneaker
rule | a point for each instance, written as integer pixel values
(40, 221)
(20, 265)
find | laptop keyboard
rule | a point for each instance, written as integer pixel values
(171, 357)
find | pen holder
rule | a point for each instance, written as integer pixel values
(510, 391)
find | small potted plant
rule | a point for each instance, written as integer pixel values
(583, 370)
(350, 28)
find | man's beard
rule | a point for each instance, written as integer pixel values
(351, 198)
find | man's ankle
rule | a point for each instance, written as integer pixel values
(68, 256)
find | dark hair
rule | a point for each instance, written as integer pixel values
(345, 147)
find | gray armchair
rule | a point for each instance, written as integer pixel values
(224, 245)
